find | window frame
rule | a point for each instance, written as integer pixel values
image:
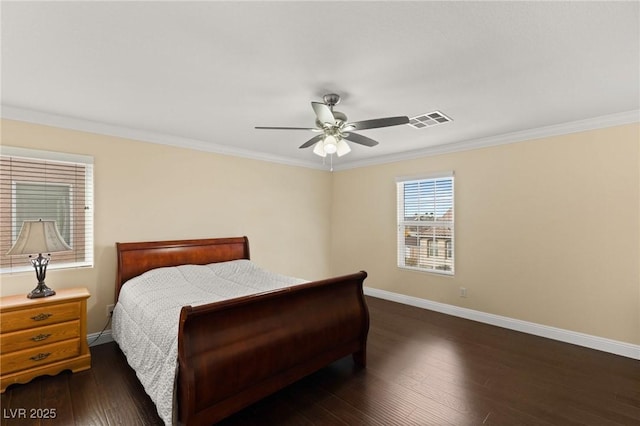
(441, 259)
(86, 208)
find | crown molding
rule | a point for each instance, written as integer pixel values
(73, 123)
(66, 122)
(611, 120)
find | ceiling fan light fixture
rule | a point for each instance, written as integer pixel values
(343, 148)
(319, 149)
(330, 144)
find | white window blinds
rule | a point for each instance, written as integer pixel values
(50, 186)
(426, 223)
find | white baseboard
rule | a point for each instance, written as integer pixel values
(95, 339)
(594, 342)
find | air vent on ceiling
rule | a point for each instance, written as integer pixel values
(429, 119)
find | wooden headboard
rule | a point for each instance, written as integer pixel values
(137, 258)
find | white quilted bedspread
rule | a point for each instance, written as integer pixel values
(145, 319)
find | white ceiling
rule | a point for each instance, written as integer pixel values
(203, 74)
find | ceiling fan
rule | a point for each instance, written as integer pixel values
(334, 129)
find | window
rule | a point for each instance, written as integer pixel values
(52, 186)
(426, 223)
(432, 248)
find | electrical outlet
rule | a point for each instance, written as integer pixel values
(110, 310)
(463, 292)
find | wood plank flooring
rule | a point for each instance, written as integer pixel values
(424, 368)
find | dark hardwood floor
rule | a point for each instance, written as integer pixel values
(424, 368)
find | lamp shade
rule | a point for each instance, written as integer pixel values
(38, 236)
(330, 144)
(319, 149)
(343, 148)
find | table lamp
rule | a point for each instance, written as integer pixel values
(39, 236)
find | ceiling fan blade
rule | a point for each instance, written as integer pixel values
(378, 122)
(323, 112)
(362, 140)
(313, 129)
(312, 141)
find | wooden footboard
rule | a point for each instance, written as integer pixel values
(235, 352)
(253, 346)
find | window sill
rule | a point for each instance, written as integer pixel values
(427, 271)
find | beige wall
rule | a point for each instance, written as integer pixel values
(547, 231)
(146, 191)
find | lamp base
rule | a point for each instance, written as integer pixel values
(41, 291)
(40, 264)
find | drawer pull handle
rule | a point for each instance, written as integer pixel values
(40, 356)
(40, 337)
(41, 317)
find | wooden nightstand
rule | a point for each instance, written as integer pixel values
(43, 336)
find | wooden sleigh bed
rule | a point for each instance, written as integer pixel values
(234, 352)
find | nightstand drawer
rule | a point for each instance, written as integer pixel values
(39, 356)
(32, 338)
(37, 317)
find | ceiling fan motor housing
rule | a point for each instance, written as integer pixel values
(339, 117)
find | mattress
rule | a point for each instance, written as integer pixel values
(145, 319)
